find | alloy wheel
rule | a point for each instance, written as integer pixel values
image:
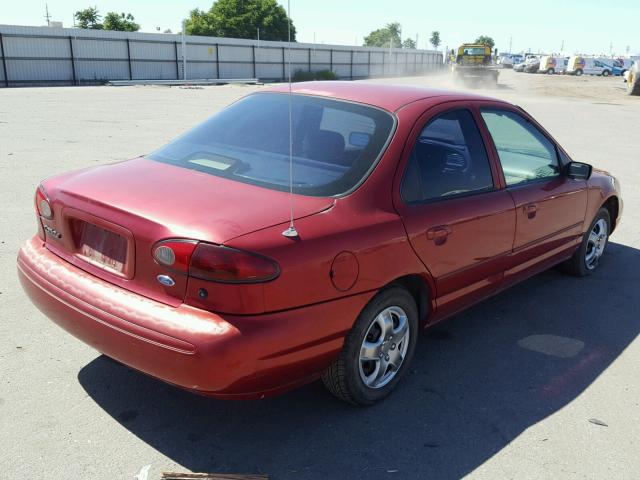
(384, 347)
(596, 243)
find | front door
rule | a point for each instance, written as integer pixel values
(459, 222)
(550, 207)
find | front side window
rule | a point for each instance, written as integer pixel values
(335, 144)
(448, 159)
(525, 153)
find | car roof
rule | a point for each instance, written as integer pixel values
(386, 96)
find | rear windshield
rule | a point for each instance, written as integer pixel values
(335, 143)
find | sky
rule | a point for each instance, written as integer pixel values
(583, 26)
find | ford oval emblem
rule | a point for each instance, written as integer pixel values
(166, 280)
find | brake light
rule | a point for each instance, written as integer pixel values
(42, 203)
(228, 265)
(214, 263)
(174, 254)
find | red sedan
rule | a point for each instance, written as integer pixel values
(407, 206)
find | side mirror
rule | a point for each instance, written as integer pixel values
(578, 170)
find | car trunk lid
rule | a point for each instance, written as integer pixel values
(107, 219)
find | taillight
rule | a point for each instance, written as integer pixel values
(174, 254)
(228, 265)
(42, 203)
(214, 263)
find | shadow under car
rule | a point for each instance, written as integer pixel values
(476, 382)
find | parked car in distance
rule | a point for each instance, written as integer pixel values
(579, 65)
(196, 265)
(508, 60)
(505, 60)
(550, 64)
(524, 61)
(532, 64)
(621, 65)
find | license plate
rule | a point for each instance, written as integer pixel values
(103, 247)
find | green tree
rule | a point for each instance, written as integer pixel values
(435, 39)
(241, 19)
(409, 43)
(484, 40)
(389, 34)
(88, 18)
(121, 22)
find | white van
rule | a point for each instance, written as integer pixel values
(590, 66)
(550, 64)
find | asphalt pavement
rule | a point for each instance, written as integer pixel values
(541, 381)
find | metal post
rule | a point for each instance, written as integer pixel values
(129, 59)
(217, 60)
(177, 61)
(73, 61)
(351, 65)
(253, 55)
(284, 76)
(309, 60)
(4, 62)
(331, 59)
(369, 63)
(184, 51)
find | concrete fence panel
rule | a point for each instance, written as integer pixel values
(69, 56)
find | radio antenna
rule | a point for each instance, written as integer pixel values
(291, 231)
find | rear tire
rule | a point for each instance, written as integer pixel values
(551, 71)
(586, 259)
(606, 73)
(579, 72)
(383, 337)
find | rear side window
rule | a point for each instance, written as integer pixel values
(525, 153)
(448, 159)
(335, 143)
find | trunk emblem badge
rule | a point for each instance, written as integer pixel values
(166, 280)
(52, 231)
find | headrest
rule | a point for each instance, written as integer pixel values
(325, 145)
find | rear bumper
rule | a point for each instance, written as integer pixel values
(219, 355)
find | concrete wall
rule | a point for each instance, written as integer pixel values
(69, 56)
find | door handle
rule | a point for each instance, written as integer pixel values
(439, 234)
(531, 210)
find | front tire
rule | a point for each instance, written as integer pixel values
(551, 71)
(579, 72)
(586, 259)
(606, 73)
(377, 351)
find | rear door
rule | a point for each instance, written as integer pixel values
(459, 221)
(550, 207)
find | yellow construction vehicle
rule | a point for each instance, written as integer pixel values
(473, 65)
